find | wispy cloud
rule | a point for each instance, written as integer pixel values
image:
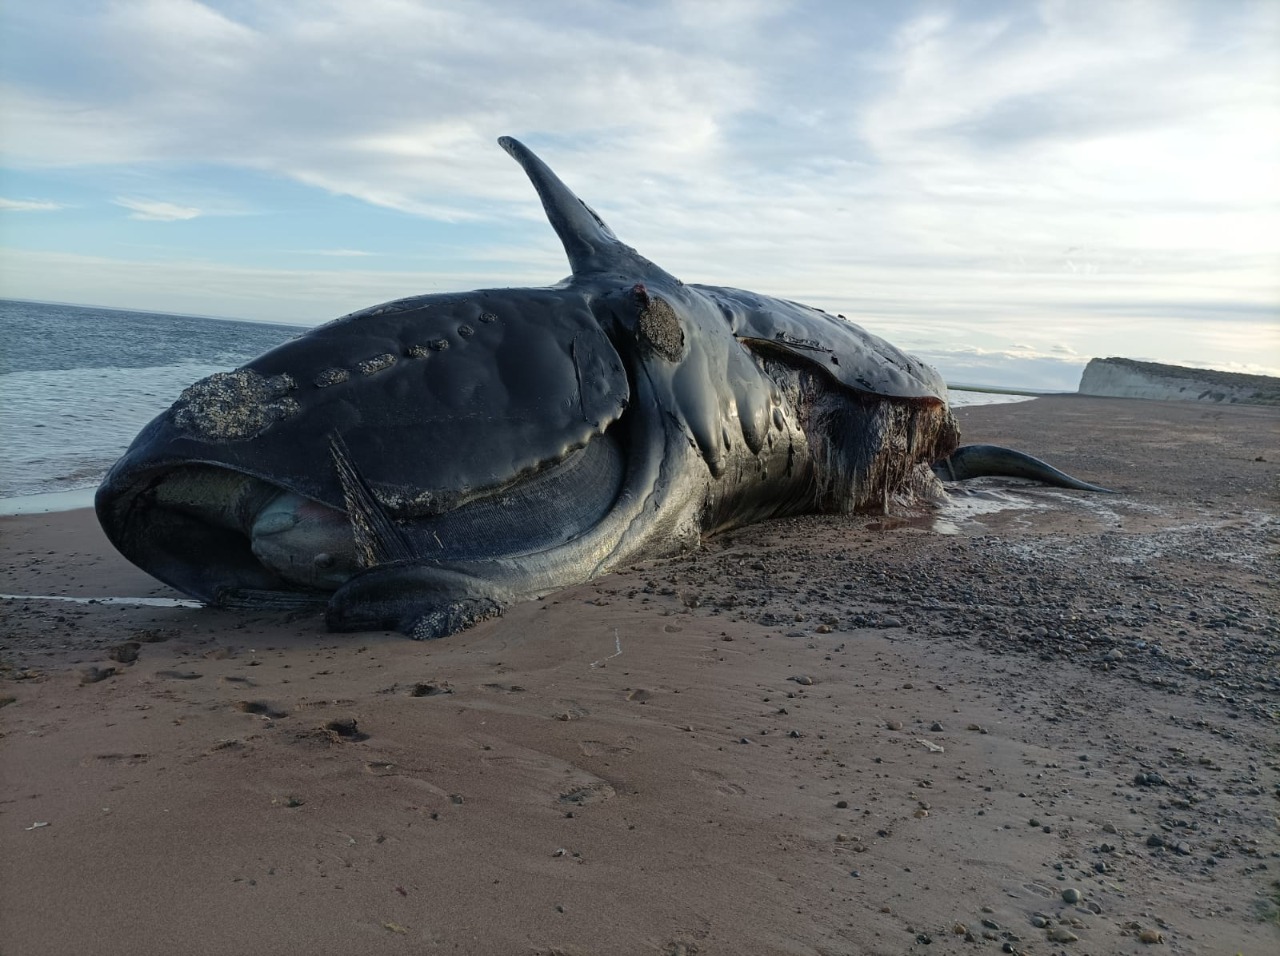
(29, 205)
(155, 210)
(1056, 174)
(337, 253)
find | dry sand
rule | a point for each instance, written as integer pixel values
(819, 736)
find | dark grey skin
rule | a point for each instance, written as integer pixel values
(422, 464)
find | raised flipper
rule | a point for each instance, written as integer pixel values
(977, 461)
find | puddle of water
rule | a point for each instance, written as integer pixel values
(133, 601)
(925, 522)
(959, 508)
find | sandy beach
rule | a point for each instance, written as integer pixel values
(1038, 722)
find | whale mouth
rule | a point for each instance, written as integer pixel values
(232, 538)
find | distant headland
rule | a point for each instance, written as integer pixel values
(1127, 378)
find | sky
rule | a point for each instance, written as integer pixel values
(1006, 188)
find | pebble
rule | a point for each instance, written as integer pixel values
(1155, 840)
(1150, 936)
(894, 725)
(1039, 922)
(803, 679)
(936, 727)
(1060, 934)
(1072, 895)
(842, 804)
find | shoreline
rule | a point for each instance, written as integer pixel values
(817, 735)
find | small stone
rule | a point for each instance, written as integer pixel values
(1039, 922)
(1033, 822)
(1060, 934)
(842, 804)
(1071, 895)
(803, 679)
(1150, 936)
(1155, 840)
(959, 929)
(894, 724)
(936, 727)
(1109, 828)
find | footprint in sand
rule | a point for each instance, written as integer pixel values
(260, 708)
(597, 791)
(131, 760)
(344, 730)
(547, 776)
(569, 710)
(598, 748)
(429, 689)
(718, 780)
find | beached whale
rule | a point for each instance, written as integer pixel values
(420, 464)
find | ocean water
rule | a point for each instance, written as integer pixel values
(77, 384)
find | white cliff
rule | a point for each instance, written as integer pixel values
(1126, 378)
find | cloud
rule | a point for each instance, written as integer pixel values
(156, 211)
(337, 253)
(29, 205)
(1006, 173)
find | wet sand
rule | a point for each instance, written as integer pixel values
(1045, 722)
